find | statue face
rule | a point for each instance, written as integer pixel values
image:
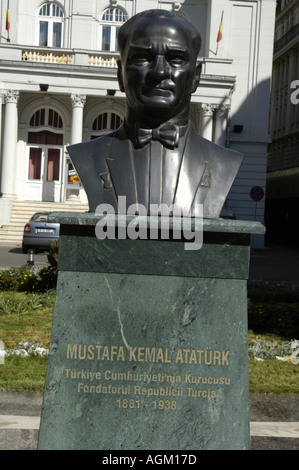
(158, 69)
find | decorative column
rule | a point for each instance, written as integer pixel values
(78, 103)
(221, 124)
(207, 111)
(2, 101)
(8, 174)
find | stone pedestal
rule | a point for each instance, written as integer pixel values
(149, 341)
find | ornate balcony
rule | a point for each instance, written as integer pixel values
(287, 38)
(46, 57)
(102, 61)
(73, 57)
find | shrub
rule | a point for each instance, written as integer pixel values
(48, 275)
(27, 279)
(274, 317)
(261, 291)
(274, 308)
(18, 279)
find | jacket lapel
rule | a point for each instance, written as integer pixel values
(121, 169)
(194, 177)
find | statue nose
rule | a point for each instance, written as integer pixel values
(160, 67)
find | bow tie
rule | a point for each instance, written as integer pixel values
(168, 135)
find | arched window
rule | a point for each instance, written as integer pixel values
(50, 25)
(105, 122)
(112, 19)
(46, 117)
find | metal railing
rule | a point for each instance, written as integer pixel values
(284, 40)
(284, 153)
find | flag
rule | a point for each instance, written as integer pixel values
(7, 17)
(219, 37)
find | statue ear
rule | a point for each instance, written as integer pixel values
(120, 76)
(196, 77)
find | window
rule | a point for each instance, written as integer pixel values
(35, 158)
(45, 138)
(46, 117)
(41, 139)
(105, 122)
(72, 177)
(50, 25)
(53, 165)
(54, 120)
(112, 19)
(38, 119)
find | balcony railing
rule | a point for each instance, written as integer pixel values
(102, 61)
(283, 153)
(288, 37)
(67, 57)
(78, 58)
(46, 57)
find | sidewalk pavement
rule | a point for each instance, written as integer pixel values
(274, 421)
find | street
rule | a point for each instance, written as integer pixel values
(13, 256)
(275, 264)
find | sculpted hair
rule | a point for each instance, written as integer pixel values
(127, 28)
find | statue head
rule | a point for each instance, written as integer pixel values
(158, 68)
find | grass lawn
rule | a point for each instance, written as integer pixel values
(28, 317)
(25, 317)
(273, 376)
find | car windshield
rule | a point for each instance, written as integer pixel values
(40, 218)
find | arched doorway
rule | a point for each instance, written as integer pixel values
(45, 156)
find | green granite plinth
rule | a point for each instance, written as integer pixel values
(149, 341)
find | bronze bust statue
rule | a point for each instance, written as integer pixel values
(156, 157)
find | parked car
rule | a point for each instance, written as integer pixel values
(225, 214)
(39, 233)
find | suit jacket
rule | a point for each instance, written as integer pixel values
(109, 167)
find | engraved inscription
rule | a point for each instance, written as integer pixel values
(154, 390)
(207, 356)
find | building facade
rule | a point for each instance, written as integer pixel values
(282, 213)
(59, 86)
